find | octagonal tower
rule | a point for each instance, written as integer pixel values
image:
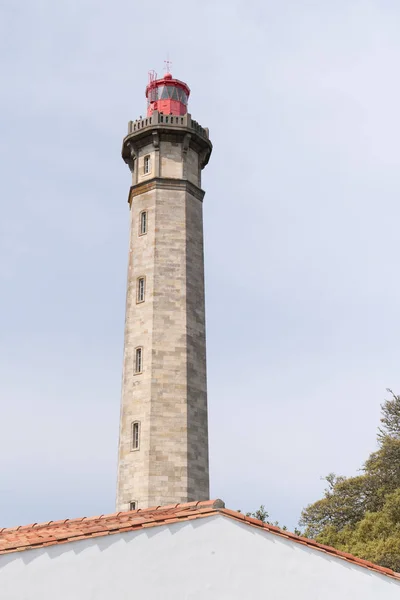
(163, 443)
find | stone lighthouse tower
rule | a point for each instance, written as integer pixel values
(163, 443)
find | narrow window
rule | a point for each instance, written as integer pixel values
(143, 222)
(135, 435)
(133, 505)
(147, 164)
(138, 360)
(140, 289)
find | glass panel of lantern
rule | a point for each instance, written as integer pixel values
(163, 95)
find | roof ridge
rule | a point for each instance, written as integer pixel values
(195, 505)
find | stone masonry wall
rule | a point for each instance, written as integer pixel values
(133, 481)
(168, 437)
(198, 484)
(171, 160)
(169, 397)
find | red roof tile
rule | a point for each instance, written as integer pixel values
(39, 535)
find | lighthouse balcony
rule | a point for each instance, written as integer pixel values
(163, 120)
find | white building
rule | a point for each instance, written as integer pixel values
(196, 551)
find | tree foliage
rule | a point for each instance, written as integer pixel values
(390, 418)
(361, 514)
(262, 515)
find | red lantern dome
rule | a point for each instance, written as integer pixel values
(166, 95)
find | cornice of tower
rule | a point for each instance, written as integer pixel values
(159, 127)
(164, 183)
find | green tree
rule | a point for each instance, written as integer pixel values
(262, 515)
(376, 537)
(343, 504)
(390, 417)
(361, 514)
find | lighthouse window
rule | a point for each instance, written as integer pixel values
(143, 223)
(132, 505)
(163, 93)
(138, 360)
(140, 289)
(147, 164)
(135, 436)
(174, 94)
(182, 96)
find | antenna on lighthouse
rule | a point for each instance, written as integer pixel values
(152, 76)
(152, 96)
(167, 67)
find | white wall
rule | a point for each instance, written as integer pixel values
(212, 558)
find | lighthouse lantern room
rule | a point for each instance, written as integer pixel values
(166, 95)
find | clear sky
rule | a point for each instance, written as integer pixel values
(301, 239)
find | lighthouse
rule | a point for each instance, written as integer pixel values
(163, 440)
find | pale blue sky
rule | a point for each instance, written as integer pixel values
(301, 232)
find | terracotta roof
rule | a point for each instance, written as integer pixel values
(39, 535)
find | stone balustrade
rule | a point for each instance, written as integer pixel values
(160, 119)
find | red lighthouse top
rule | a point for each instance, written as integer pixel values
(166, 95)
